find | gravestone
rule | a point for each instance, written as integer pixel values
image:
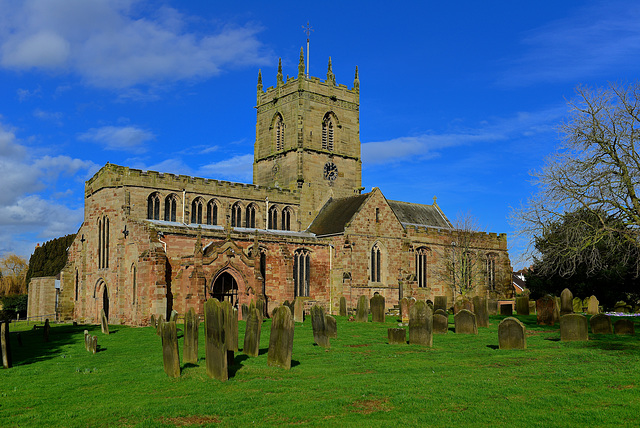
(412, 301)
(377, 308)
(362, 312)
(159, 325)
(545, 307)
(319, 326)
(482, 311)
(173, 316)
(103, 323)
(231, 328)
(94, 344)
(461, 304)
(624, 326)
(592, 308)
(522, 305)
(170, 355)
(252, 334)
(441, 312)
(421, 324)
(152, 321)
(215, 340)
(566, 302)
(621, 307)
(281, 339)
(46, 330)
(532, 307)
(576, 305)
(601, 324)
(332, 326)
(260, 307)
(556, 311)
(465, 322)
(404, 310)
(245, 311)
(440, 302)
(493, 307)
(86, 340)
(190, 347)
(343, 306)
(512, 334)
(440, 323)
(298, 314)
(397, 336)
(573, 327)
(506, 309)
(5, 345)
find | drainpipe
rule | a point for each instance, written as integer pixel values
(184, 195)
(266, 213)
(330, 278)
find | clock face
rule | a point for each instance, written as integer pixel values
(330, 171)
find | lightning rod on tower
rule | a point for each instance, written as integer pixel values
(307, 29)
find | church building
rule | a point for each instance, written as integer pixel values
(153, 242)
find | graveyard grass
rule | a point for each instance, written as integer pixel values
(360, 381)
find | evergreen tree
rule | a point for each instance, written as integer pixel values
(50, 258)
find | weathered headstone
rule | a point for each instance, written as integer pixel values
(421, 324)
(173, 316)
(440, 302)
(592, 308)
(482, 311)
(319, 326)
(215, 340)
(152, 321)
(621, 307)
(170, 355)
(462, 303)
(441, 312)
(260, 307)
(601, 324)
(46, 330)
(493, 307)
(404, 310)
(573, 327)
(332, 326)
(397, 336)
(465, 322)
(545, 307)
(298, 313)
(159, 325)
(94, 344)
(624, 326)
(440, 323)
(230, 326)
(556, 310)
(5, 345)
(512, 334)
(362, 312)
(86, 340)
(281, 339)
(532, 307)
(506, 309)
(190, 347)
(522, 305)
(377, 308)
(577, 305)
(245, 311)
(566, 302)
(252, 334)
(343, 306)
(103, 323)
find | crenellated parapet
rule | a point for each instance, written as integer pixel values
(444, 236)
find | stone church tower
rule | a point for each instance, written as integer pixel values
(308, 138)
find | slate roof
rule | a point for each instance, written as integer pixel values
(419, 215)
(335, 214)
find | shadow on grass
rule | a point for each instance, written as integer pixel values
(494, 347)
(263, 351)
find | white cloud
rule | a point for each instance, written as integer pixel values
(108, 45)
(238, 168)
(129, 138)
(50, 116)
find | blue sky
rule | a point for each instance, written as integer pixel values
(458, 99)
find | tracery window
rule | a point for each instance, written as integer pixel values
(236, 215)
(103, 242)
(327, 133)
(170, 208)
(273, 218)
(301, 272)
(279, 136)
(196, 211)
(376, 258)
(490, 271)
(422, 255)
(153, 207)
(250, 216)
(286, 219)
(212, 212)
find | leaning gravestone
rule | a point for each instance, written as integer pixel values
(252, 334)
(281, 339)
(482, 311)
(592, 308)
(397, 336)
(170, 355)
(362, 313)
(94, 344)
(103, 323)
(230, 327)
(319, 327)
(332, 326)
(245, 311)
(404, 310)
(465, 322)
(493, 307)
(190, 347)
(545, 307)
(440, 302)
(215, 343)
(260, 307)
(511, 334)
(573, 327)
(566, 302)
(377, 308)
(522, 305)
(5, 345)
(440, 323)
(152, 321)
(421, 324)
(343, 306)
(576, 304)
(173, 316)
(506, 309)
(46, 330)
(601, 324)
(298, 313)
(159, 325)
(624, 326)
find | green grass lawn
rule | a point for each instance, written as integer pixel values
(360, 381)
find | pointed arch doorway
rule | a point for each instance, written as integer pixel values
(225, 287)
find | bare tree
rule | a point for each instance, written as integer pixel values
(13, 277)
(596, 169)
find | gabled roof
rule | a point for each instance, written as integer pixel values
(419, 215)
(336, 213)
